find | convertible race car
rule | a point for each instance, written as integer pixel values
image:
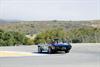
(55, 46)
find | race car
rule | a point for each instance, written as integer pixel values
(55, 46)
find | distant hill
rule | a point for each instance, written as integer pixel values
(2, 21)
(30, 27)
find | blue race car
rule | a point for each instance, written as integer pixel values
(55, 46)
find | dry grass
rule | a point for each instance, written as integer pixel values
(38, 26)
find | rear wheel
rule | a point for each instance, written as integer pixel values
(39, 50)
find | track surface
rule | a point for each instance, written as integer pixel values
(81, 55)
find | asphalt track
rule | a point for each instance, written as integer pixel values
(81, 55)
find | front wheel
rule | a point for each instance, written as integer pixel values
(49, 50)
(39, 50)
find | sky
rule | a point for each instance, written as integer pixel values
(50, 9)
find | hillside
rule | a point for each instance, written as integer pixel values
(31, 27)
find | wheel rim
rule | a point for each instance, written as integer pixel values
(39, 49)
(49, 50)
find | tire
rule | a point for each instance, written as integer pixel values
(49, 50)
(39, 50)
(54, 51)
(66, 51)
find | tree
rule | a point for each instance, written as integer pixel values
(10, 38)
(49, 35)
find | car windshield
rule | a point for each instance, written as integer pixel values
(60, 41)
